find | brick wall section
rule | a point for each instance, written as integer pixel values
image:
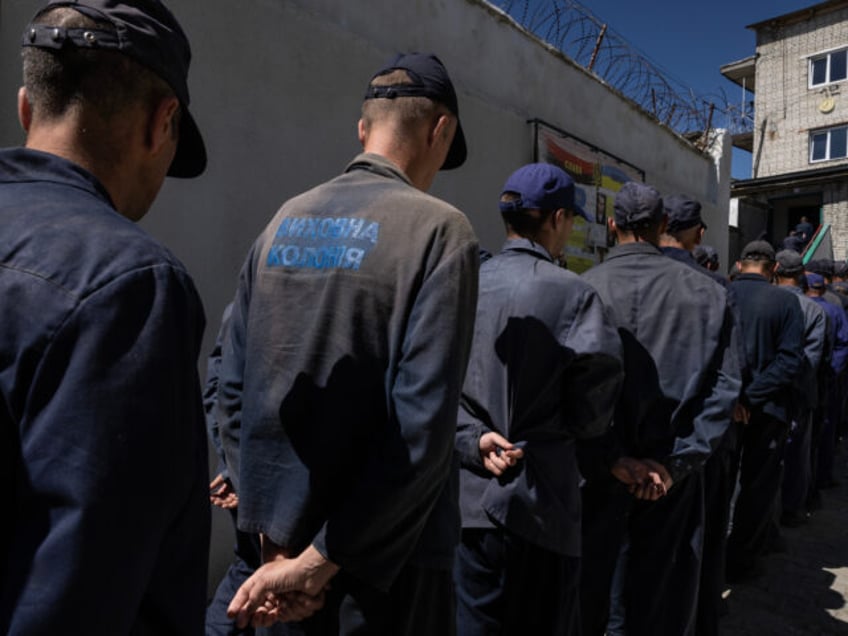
(785, 108)
(835, 208)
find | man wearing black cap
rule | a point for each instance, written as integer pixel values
(683, 233)
(680, 388)
(772, 327)
(797, 466)
(350, 337)
(545, 369)
(103, 443)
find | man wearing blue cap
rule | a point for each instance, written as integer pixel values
(349, 341)
(680, 388)
(824, 442)
(545, 370)
(103, 449)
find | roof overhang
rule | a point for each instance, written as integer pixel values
(745, 187)
(741, 72)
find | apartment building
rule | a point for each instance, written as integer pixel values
(798, 128)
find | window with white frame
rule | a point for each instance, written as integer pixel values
(830, 143)
(828, 68)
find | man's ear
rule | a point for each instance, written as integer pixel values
(441, 130)
(361, 131)
(24, 109)
(163, 124)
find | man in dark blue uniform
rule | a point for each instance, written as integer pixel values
(825, 442)
(680, 388)
(545, 369)
(773, 329)
(103, 447)
(349, 341)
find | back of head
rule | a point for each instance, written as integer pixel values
(757, 257)
(104, 57)
(789, 265)
(638, 208)
(413, 89)
(683, 213)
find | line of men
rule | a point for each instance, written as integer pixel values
(405, 431)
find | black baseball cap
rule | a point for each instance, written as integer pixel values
(429, 79)
(148, 32)
(758, 251)
(683, 212)
(789, 263)
(637, 204)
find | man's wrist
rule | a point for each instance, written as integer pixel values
(318, 570)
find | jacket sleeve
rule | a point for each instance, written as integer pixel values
(228, 410)
(814, 340)
(712, 408)
(210, 390)
(373, 533)
(780, 374)
(115, 451)
(591, 383)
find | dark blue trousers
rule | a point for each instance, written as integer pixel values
(760, 471)
(247, 558)
(421, 602)
(506, 585)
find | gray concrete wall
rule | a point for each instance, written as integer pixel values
(276, 89)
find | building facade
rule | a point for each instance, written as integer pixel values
(799, 135)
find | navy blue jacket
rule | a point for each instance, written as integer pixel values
(773, 331)
(341, 381)
(682, 374)
(685, 256)
(545, 369)
(103, 446)
(838, 326)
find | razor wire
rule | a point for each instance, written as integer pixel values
(579, 34)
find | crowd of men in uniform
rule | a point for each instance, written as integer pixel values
(415, 437)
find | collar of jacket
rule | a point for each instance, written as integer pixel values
(378, 164)
(526, 245)
(754, 277)
(637, 247)
(26, 164)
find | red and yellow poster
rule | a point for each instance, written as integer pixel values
(598, 176)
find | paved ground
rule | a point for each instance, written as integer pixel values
(804, 590)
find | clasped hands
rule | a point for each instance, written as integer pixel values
(283, 589)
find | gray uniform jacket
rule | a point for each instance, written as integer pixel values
(340, 386)
(545, 369)
(815, 338)
(682, 374)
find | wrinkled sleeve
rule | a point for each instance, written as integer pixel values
(783, 370)
(814, 340)
(115, 450)
(712, 409)
(228, 411)
(591, 383)
(375, 530)
(210, 390)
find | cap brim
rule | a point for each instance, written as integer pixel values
(578, 210)
(458, 151)
(190, 160)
